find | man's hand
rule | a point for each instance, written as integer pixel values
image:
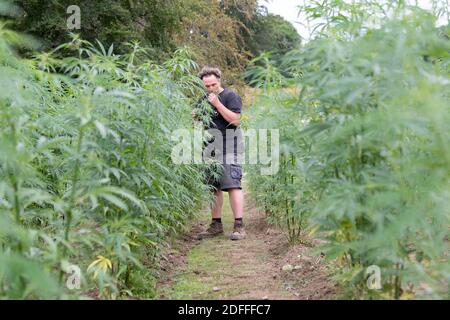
(213, 99)
(227, 114)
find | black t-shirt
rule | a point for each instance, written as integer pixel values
(231, 101)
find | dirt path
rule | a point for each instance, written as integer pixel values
(219, 268)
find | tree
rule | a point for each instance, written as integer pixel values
(111, 21)
(273, 33)
(225, 33)
(214, 34)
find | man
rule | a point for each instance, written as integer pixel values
(227, 106)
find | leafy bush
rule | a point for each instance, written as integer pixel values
(86, 176)
(366, 129)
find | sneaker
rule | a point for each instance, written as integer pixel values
(238, 232)
(214, 229)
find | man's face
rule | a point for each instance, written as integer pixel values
(212, 83)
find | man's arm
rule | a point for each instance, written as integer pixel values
(230, 116)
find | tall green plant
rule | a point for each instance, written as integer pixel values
(86, 172)
(371, 145)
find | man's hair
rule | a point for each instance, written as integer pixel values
(209, 71)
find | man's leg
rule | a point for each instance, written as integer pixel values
(216, 227)
(237, 205)
(216, 208)
(236, 202)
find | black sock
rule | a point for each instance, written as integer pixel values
(238, 221)
(219, 220)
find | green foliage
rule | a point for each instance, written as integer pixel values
(367, 129)
(263, 73)
(111, 21)
(86, 175)
(272, 33)
(213, 32)
(222, 33)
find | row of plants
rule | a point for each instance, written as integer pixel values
(89, 194)
(364, 147)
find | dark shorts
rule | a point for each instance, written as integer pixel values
(230, 179)
(231, 174)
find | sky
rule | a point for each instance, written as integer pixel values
(288, 10)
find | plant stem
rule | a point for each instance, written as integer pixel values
(13, 178)
(75, 178)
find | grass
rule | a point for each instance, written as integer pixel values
(208, 267)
